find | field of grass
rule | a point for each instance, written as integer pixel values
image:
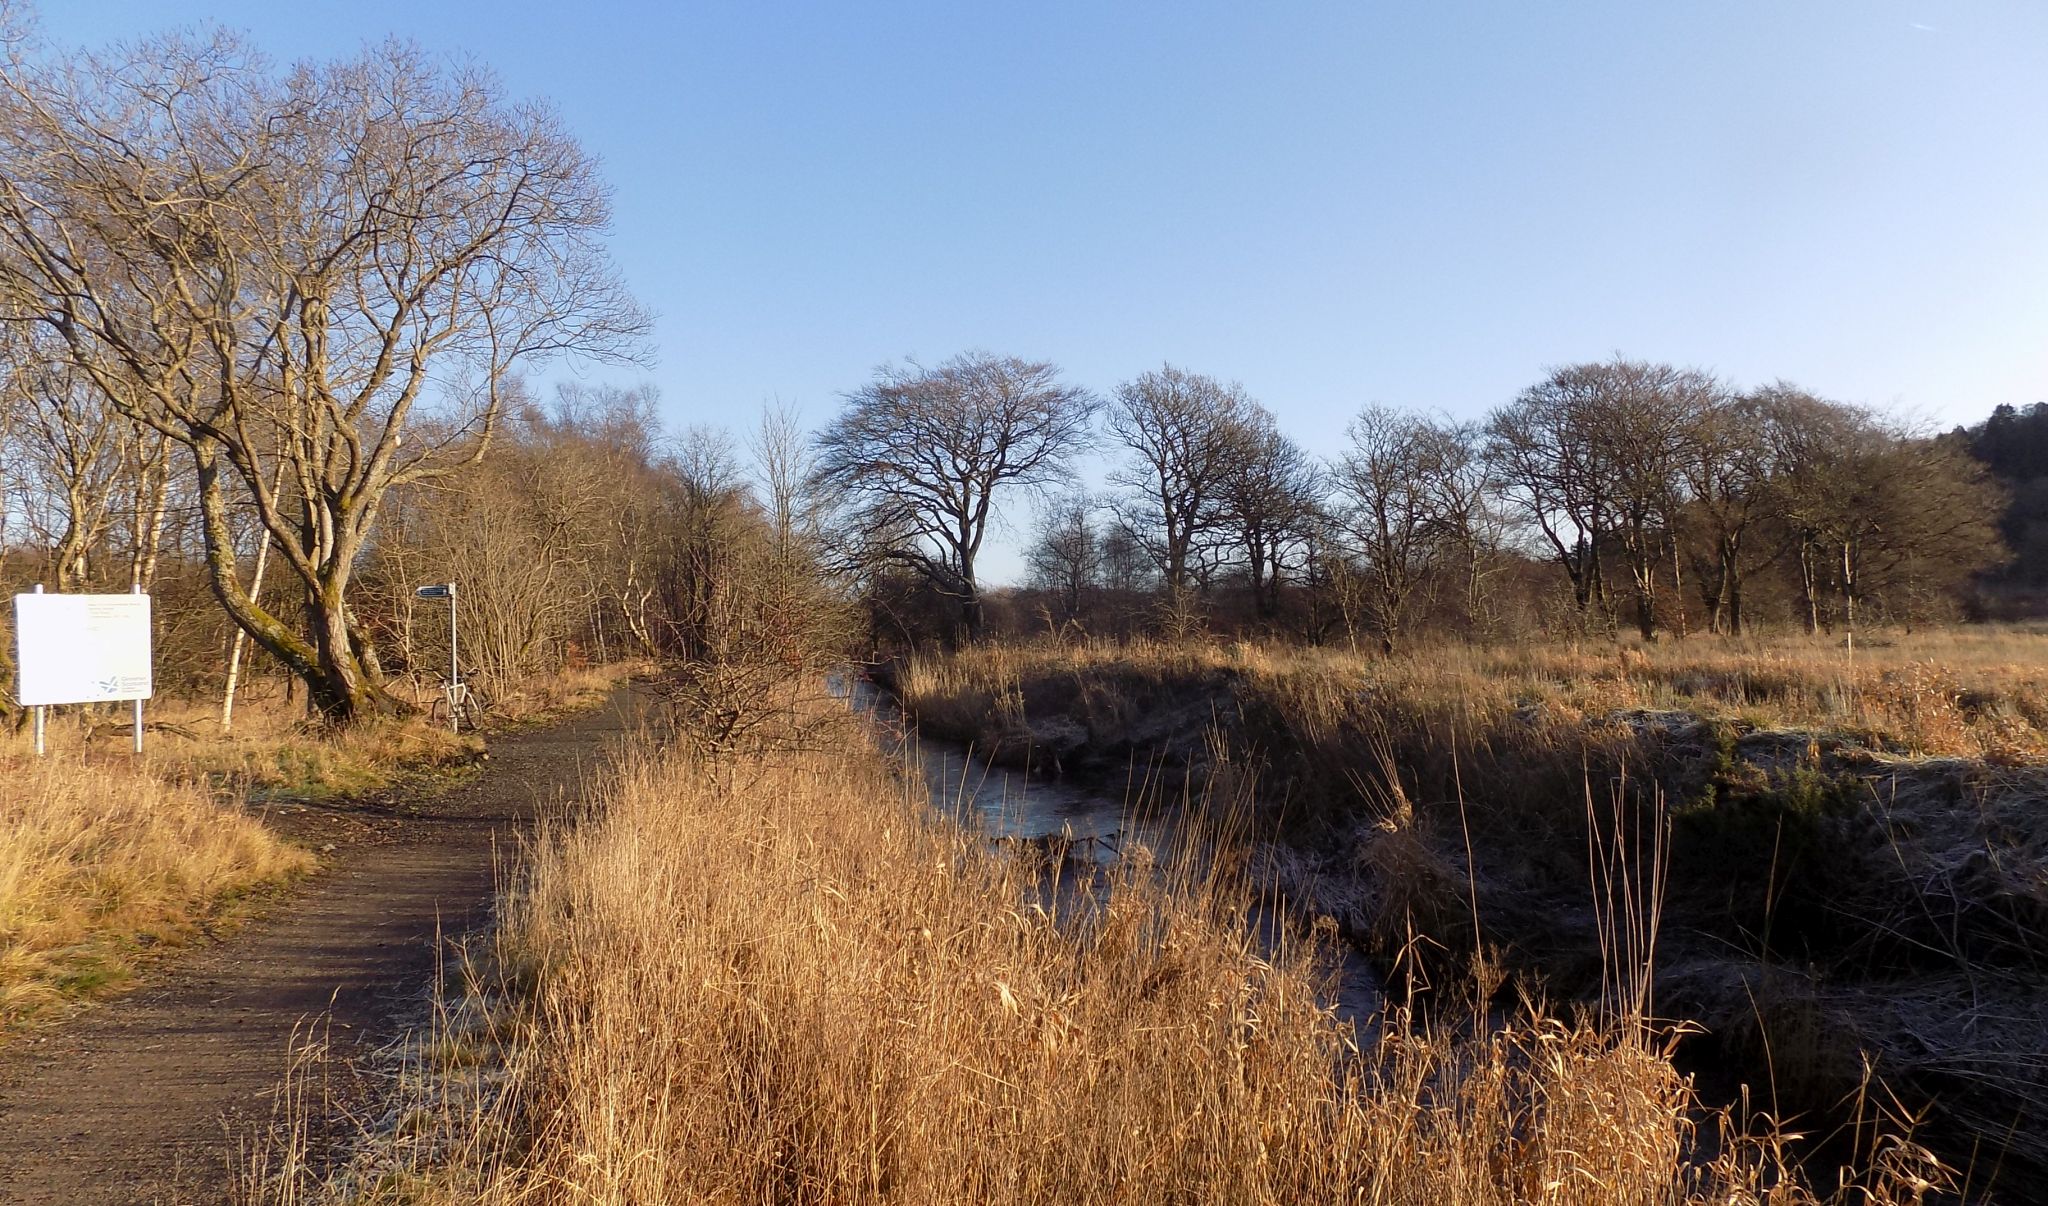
(1854, 854)
(107, 859)
(786, 978)
(1974, 692)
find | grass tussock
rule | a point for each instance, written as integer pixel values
(789, 980)
(100, 861)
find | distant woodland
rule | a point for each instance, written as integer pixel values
(2013, 445)
(1608, 497)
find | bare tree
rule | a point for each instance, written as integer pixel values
(88, 482)
(1869, 506)
(1727, 470)
(1066, 558)
(1471, 522)
(1127, 567)
(801, 603)
(920, 454)
(233, 255)
(1270, 500)
(1391, 504)
(67, 460)
(1185, 433)
(1927, 530)
(1593, 457)
(149, 475)
(785, 467)
(616, 429)
(1647, 416)
(1545, 457)
(1813, 447)
(746, 618)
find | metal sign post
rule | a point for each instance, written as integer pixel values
(446, 590)
(39, 710)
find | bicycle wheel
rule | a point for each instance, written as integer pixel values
(473, 707)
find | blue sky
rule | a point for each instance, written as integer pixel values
(1424, 204)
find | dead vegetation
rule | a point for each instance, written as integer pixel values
(102, 859)
(786, 978)
(1857, 871)
(1973, 692)
(107, 859)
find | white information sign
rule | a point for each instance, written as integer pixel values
(82, 648)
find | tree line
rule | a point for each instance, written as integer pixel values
(1610, 494)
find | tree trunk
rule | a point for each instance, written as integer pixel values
(1257, 562)
(149, 520)
(345, 690)
(1721, 593)
(1714, 599)
(1849, 591)
(971, 616)
(1678, 619)
(1734, 574)
(337, 686)
(1643, 569)
(227, 698)
(1809, 595)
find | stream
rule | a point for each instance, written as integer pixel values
(1090, 826)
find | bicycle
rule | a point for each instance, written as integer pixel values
(459, 705)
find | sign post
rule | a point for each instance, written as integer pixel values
(82, 649)
(136, 590)
(39, 709)
(446, 590)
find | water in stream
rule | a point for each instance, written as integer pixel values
(1090, 826)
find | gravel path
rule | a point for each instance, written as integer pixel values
(146, 1099)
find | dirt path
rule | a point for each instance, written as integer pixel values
(145, 1099)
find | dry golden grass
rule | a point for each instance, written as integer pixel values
(1979, 691)
(100, 859)
(272, 747)
(572, 689)
(1855, 851)
(104, 856)
(789, 980)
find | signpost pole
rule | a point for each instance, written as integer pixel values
(39, 710)
(446, 590)
(454, 667)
